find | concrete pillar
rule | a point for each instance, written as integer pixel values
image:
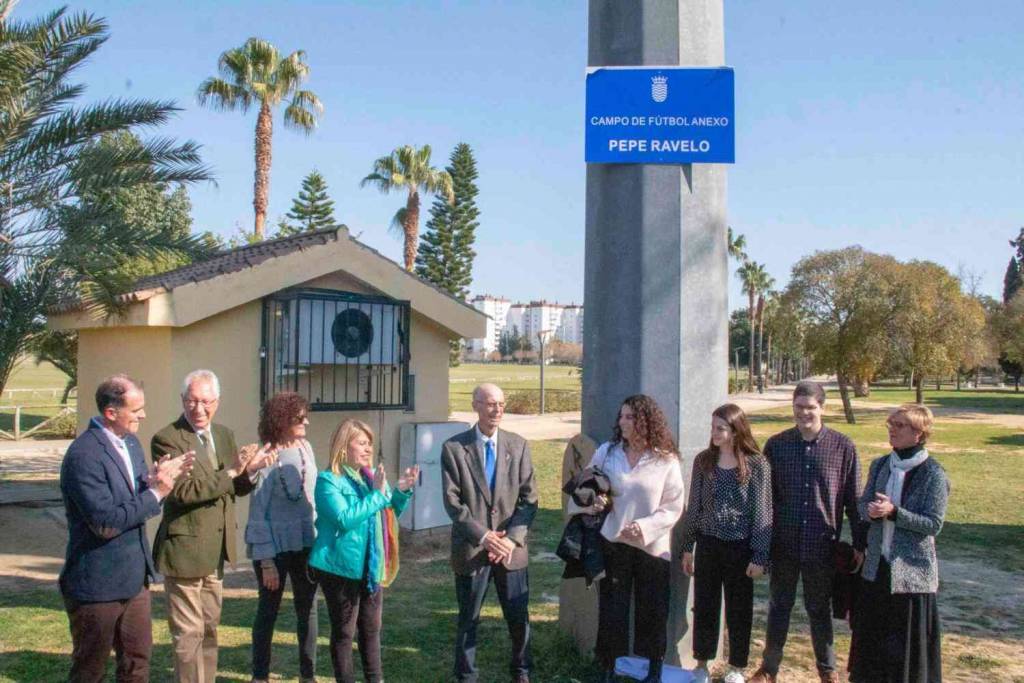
(656, 261)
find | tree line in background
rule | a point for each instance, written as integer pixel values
(864, 316)
(517, 347)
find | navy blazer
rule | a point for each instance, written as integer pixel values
(108, 554)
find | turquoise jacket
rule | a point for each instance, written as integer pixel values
(343, 518)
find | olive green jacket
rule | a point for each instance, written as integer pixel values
(198, 529)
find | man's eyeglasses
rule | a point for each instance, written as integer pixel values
(193, 403)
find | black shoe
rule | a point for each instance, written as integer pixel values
(653, 672)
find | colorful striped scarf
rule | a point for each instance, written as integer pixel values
(381, 537)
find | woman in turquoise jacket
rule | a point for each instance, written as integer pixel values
(355, 554)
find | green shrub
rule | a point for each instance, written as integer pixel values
(527, 401)
(64, 426)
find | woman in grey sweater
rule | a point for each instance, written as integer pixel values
(280, 532)
(896, 631)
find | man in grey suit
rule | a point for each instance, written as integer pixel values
(490, 495)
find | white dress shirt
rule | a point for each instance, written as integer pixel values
(122, 450)
(481, 442)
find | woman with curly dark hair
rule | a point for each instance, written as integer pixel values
(647, 498)
(280, 532)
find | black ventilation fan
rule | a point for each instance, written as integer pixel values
(352, 333)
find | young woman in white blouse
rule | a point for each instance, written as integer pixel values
(647, 499)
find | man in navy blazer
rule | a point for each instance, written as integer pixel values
(108, 495)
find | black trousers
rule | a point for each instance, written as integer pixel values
(722, 565)
(355, 614)
(513, 588)
(817, 581)
(630, 573)
(291, 565)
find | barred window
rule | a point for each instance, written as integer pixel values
(340, 350)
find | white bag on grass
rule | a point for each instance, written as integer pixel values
(636, 668)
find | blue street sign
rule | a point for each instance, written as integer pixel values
(666, 115)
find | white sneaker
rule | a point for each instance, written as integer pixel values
(701, 675)
(734, 676)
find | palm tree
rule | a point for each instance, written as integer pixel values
(737, 245)
(762, 297)
(753, 276)
(56, 244)
(256, 75)
(409, 169)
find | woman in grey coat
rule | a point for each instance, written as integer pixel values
(896, 632)
(280, 533)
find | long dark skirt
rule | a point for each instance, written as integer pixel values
(896, 638)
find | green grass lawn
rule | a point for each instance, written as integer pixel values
(38, 379)
(984, 521)
(32, 386)
(967, 400)
(510, 376)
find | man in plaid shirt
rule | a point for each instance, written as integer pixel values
(815, 477)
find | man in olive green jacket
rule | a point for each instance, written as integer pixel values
(197, 532)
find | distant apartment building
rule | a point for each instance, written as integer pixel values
(564, 322)
(497, 310)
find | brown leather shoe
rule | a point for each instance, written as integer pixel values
(830, 677)
(762, 676)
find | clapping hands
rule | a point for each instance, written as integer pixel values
(165, 472)
(252, 458)
(409, 478)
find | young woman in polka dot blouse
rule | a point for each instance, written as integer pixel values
(729, 519)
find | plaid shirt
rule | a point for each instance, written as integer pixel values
(812, 482)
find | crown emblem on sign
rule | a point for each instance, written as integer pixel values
(659, 88)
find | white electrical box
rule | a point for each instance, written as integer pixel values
(420, 444)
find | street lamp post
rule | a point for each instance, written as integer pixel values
(542, 337)
(736, 365)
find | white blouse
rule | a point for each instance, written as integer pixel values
(651, 494)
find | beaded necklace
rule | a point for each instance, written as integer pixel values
(302, 477)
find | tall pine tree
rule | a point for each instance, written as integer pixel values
(445, 255)
(312, 209)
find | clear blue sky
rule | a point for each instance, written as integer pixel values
(898, 126)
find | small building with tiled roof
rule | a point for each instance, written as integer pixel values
(318, 313)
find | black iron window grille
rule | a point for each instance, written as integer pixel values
(340, 350)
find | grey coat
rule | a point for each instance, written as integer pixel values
(474, 510)
(919, 518)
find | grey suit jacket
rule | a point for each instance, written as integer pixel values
(915, 569)
(475, 511)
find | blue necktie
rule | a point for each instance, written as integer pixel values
(489, 468)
